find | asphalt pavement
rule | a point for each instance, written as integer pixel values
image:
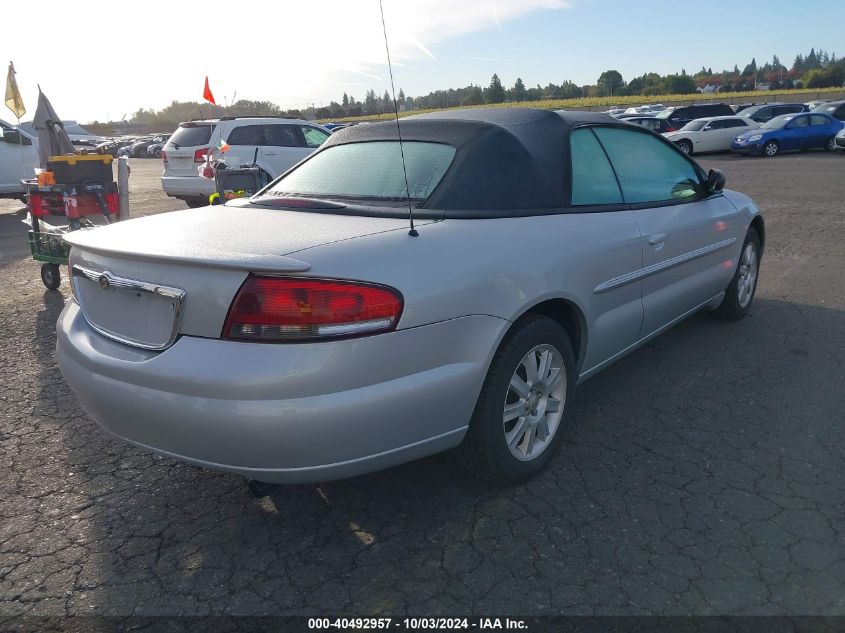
(702, 474)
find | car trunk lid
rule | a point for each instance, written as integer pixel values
(145, 281)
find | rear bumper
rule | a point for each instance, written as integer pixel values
(187, 186)
(285, 413)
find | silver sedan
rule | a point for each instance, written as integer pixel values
(307, 334)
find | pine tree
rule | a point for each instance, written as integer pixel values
(495, 92)
(345, 100)
(401, 96)
(519, 90)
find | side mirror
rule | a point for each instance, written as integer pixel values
(706, 128)
(715, 180)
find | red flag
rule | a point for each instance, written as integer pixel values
(206, 93)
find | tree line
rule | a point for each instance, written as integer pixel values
(817, 69)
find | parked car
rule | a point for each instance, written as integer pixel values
(836, 109)
(789, 131)
(139, 147)
(646, 109)
(18, 159)
(812, 105)
(679, 116)
(650, 123)
(634, 116)
(710, 135)
(156, 145)
(275, 143)
(840, 139)
(768, 111)
(737, 108)
(295, 338)
(113, 146)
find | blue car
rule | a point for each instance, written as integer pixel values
(790, 131)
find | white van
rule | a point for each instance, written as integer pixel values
(18, 159)
(275, 143)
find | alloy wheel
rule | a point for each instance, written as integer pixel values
(747, 275)
(771, 148)
(534, 402)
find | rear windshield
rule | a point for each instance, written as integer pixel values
(192, 136)
(371, 170)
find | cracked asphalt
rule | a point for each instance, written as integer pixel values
(703, 474)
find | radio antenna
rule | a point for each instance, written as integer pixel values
(413, 231)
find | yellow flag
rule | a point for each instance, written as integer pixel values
(13, 96)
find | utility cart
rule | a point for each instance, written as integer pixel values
(75, 192)
(241, 182)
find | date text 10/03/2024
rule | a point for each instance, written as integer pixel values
(416, 624)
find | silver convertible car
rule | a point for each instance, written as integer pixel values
(306, 334)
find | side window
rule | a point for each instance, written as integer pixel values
(649, 170)
(818, 119)
(593, 181)
(840, 113)
(313, 136)
(801, 121)
(731, 123)
(717, 125)
(281, 136)
(245, 135)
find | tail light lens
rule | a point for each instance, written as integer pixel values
(671, 128)
(278, 309)
(164, 157)
(199, 155)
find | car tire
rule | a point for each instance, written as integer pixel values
(195, 203)
(739, 294)
(51, 277)
(830, 146)
(504, 450)
(685, 146)
(771, 148)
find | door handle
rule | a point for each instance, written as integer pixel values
(657, 240)
(269, 153)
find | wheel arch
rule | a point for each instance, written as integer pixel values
(570, 317)
(759, 225)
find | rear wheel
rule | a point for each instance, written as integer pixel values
(830, 146)
(521, 412)
(771, 148)
(740, 293)
(685, 146)
(50, 276)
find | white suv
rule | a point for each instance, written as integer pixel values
(274, 143)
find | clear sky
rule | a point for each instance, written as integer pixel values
(99, 59)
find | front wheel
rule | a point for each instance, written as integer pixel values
(521, 412)
(740, 292)
(50, 276)
(772, 148)
(685, 146)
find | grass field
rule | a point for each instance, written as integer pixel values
(592, 103)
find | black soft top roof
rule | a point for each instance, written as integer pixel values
(505, 159)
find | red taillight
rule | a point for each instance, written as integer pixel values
(290, 309)
(164, 156)
(199, 155)
(671, 128)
